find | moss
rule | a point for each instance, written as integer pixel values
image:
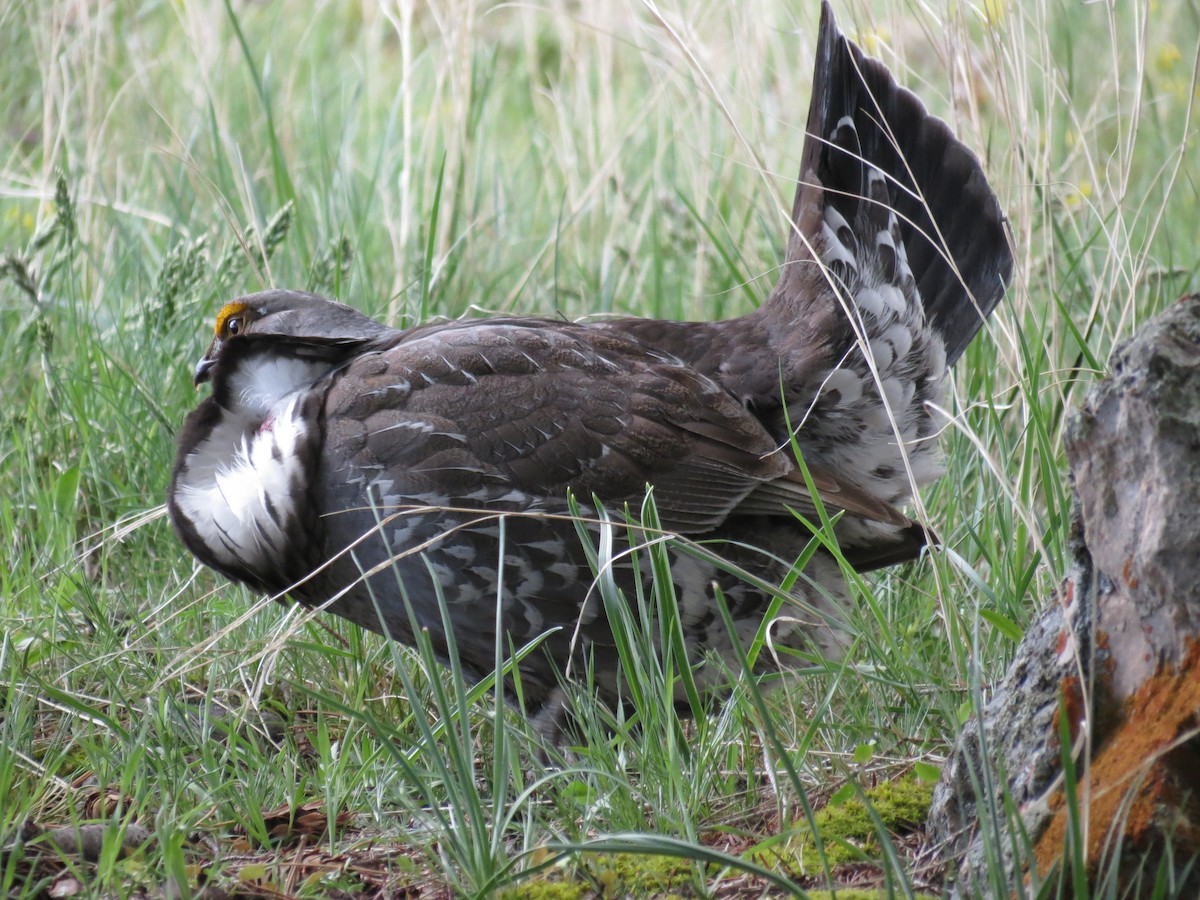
(856, 894)
(613, 875)
(640, 874)
(848, 830)
(547, 888)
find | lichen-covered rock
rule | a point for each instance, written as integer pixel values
(1115, 662)
(1134, 450)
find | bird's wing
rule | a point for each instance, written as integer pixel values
(541, 407)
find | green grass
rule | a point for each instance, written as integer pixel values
(158, 158)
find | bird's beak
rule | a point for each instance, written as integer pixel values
(203, 370)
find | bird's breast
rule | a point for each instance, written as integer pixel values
(239, 489)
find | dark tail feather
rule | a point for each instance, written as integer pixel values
(951, 223)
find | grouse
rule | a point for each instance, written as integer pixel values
(421, 480)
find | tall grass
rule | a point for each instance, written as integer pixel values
(420, 160)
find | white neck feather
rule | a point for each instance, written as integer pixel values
(259, 385)
(239, 486)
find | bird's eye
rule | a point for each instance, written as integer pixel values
(233, 318)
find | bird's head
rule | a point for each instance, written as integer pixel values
(290, 314)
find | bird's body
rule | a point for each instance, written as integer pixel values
(389, 475)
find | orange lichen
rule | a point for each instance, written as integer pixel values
(1127, 574)
(1073, 704)
(1144, 777)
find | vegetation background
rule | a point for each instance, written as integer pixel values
(432, 159)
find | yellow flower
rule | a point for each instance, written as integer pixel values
(1167, 58)
(1082, 192)
(14, 216)
(871, 41)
